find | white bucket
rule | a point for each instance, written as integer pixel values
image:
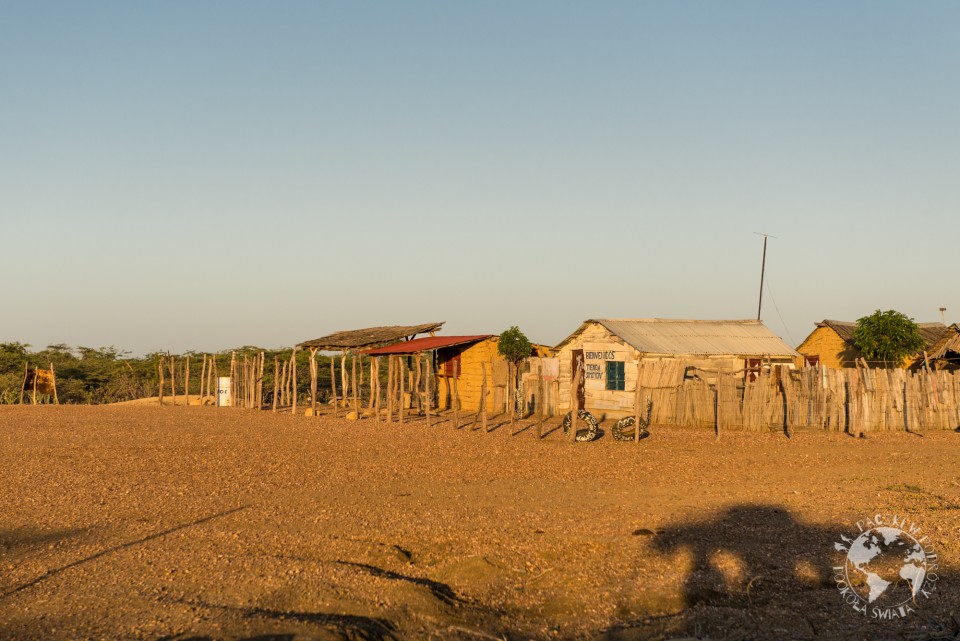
(224, 391)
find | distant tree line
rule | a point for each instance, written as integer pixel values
(107, 375)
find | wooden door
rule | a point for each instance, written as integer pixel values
(577, 357)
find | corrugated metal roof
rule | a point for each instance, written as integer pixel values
(425, 344)
(692, 337)
(931, 333)
(369, 337)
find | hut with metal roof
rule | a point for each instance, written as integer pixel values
(610, 350)
(470, 357)
(945, 353)
(831, 344)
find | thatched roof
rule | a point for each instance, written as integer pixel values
(949, 342)
(369, 337)
(690, 337)
(931, 333)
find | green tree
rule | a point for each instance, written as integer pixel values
(887, 336)
(513, 345)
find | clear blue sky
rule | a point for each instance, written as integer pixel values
(202, 175)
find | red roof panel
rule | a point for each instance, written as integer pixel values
(425, 344)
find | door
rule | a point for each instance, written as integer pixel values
(577, 358)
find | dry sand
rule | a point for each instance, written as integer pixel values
(141, 522)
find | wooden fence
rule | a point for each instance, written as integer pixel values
(852, 400)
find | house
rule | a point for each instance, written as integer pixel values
(611, 351)
(945, 353)
(472, 356)
(831, 344)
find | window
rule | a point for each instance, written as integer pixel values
(616, 379)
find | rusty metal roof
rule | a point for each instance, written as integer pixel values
(931, 333)
(424, 344)
(369, 337)
(693, 337)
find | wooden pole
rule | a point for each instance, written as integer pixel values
(540, 403)
(213, 379)
(636, 403)
(186, 379)
(353, 380)
(233, 379)
(23, 385)
(203, 377)
(343, 378)
(719, 378)
(456, 398)
(293, 382)
(333, 387)
(427, 389)
(283, 382)
(263, 359)
(276, 382)
(512, 393)
(375, 381)
(483, 397)
(53, 382)
(390, 382)
(415, 389)
(173, 380)
(401, 365)
(161, 362)
(313, 380)
(34, 386)
(575, 401)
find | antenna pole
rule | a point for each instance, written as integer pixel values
(763, 269)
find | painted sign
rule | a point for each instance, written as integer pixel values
(595, 358)
(224, 391)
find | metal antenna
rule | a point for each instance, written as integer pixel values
(763, 268)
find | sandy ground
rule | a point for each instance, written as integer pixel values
(142, 522)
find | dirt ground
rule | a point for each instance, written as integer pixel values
(140, 522)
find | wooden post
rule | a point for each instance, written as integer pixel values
(173, 380)
(512, 393)
(203, 377)
(428, 390)
(233, 379)
(391, 375)
(483, 397)
(575, 401)
(293, 381)
(23, 385)
(213, 379)
(186, 379)
(541, 401)
(456, 398)
(263, 358)
(313, 380)
(415, 389)
(373, 383)
(376, 390)
(353, 380)
(283, 382)
(34, 386)
(719, 377)
(636, 402)
(333, 387)
(53, 382)
(401, 366)
(160, 381)
(343, 378)
(276, 381)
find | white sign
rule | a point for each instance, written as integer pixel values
(224, 392)
(595, 358)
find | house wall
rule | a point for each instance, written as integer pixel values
(470, 379)
(599, 346)
(833, 351)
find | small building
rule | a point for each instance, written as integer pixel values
(472, 356)
(945, 353)
(831, 344)
(611, 351)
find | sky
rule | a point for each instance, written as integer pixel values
(205, 175)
